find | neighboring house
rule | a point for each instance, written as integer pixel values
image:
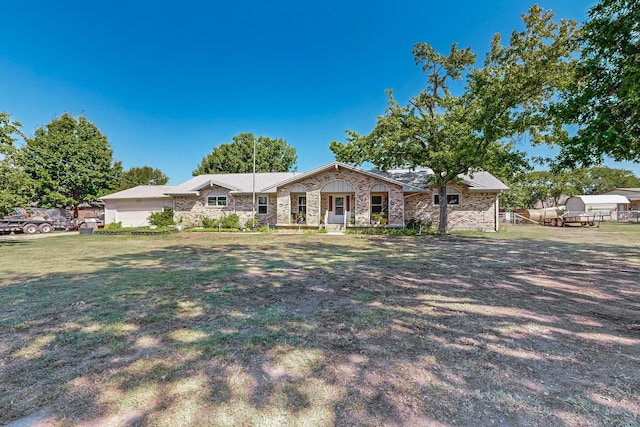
(604, 204)
(335, 193)
(633, 194)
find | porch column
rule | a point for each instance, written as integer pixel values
(313, 208)
(283, 206)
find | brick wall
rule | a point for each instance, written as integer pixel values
(477, 211)
(189, 210)
(318, 203)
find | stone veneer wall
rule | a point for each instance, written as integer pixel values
(477, 211)
(189, 210)
(317, 203)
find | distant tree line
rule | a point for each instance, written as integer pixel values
(547, 188)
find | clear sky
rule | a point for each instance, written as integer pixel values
(168, 81)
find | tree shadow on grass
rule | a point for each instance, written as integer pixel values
(452, 330)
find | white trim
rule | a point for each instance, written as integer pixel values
(263, 204)
(217, 194)
(451, 191)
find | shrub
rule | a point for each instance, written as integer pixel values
(210, 222)
(163, 218)
(113, 226)
(252, 223)
(230, 221)
(417, 224)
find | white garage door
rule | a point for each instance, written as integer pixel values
(136, 215)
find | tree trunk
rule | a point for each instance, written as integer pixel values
(442, 198)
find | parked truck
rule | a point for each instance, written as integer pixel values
(31, 221)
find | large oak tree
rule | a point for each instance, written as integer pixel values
(604, 101)
(502, 100)
(272, 155)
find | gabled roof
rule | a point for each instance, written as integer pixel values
(142, 192)
(631, 193)
(234, 182)
(336, 164)
(419, 178)
(594, 199)
(243, 183)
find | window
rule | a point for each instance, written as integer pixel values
(263, 204)
(453, 197)
(339, 206)
(302, 205)
(376, 204)
(217, 199)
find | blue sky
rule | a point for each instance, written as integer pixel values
(168, 81)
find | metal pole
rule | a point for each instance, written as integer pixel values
(254, 179)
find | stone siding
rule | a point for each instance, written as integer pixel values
(318, 203)
(477, 211)
(189, 210)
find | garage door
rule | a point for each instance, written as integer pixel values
(136, 215)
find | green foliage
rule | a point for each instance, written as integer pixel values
(502, 100)
(252, 223)
(604, 101)
(163, 218)
(9, 129)
(114, 226)
(272, 155)
(226, 221)
(141, 176)
(230, 221)
(16, 187)
(599, 179)
(384, 231)
(210, 222)
(547, 187)
(419, 224)
(70, 160)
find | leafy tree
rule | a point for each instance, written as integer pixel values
(547, 187)
(144, 175)
(70, 160)
(16, 188)
(272, 155)
(502, 100)
(599, 179)
(604, 101)
(8, 131)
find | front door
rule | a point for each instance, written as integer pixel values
(336, 211)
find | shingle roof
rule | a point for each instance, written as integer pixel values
(406, 187)
(480, 181)
(142, 192)
(238, 182)
(412, 181)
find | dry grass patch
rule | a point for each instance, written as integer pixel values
(529, 326)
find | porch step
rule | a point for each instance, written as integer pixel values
(335, 228)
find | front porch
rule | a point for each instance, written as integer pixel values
(337, 194)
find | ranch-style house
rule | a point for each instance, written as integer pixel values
(335, 193)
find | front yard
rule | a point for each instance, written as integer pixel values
(530, 326)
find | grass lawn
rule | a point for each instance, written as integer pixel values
(528, 326)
